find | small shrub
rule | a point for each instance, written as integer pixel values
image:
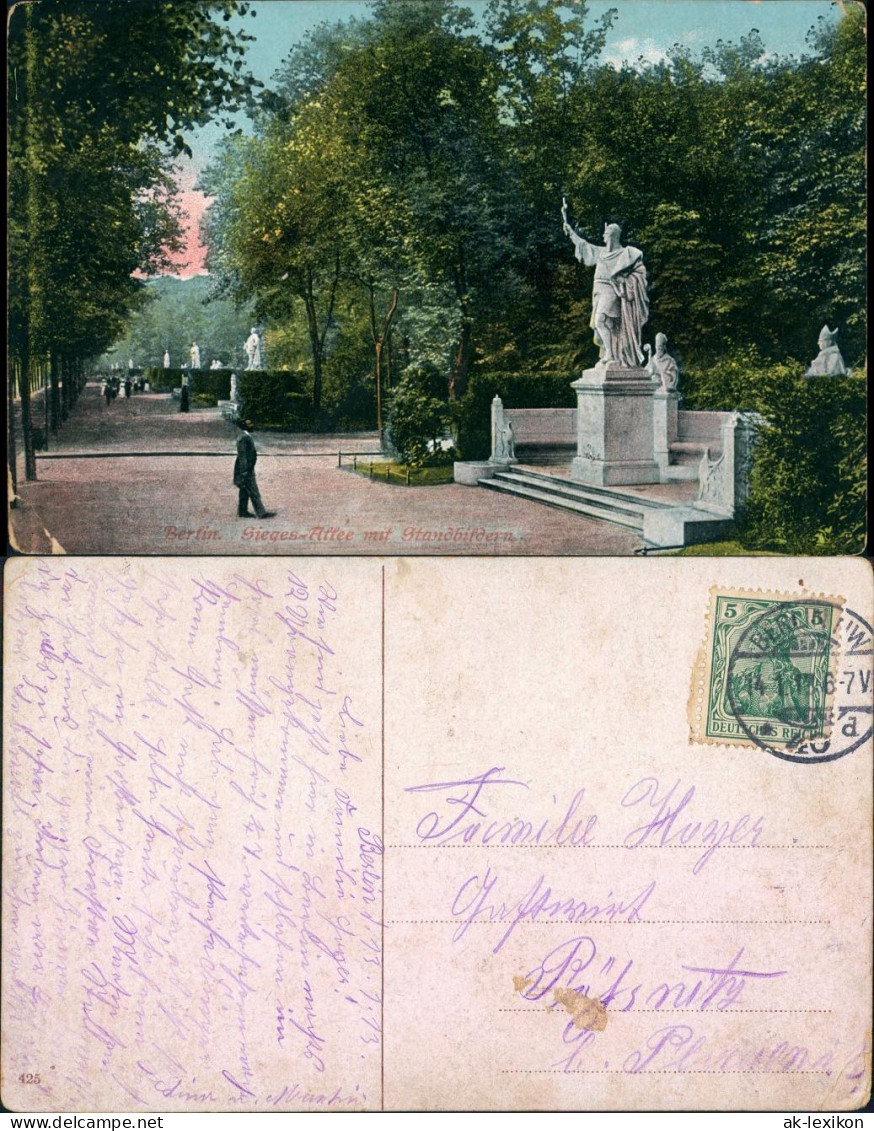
(417, 420)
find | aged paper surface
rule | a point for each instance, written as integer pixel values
(362, 834)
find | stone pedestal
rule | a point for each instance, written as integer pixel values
(615, 427)
(665, 419)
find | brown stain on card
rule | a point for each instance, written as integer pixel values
(587, 1012)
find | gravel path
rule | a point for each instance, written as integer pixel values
(186, 504)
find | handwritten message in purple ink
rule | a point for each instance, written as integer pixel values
(193, 865)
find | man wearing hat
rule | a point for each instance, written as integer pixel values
(244, 475)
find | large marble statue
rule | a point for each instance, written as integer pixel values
(166, 359)
(620, 305)
(253, 349)
(661, 366)
(195, 356)
(828, 362)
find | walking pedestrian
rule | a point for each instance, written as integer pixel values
(244, 475)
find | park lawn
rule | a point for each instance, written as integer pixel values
(393, 472)
(723, 550)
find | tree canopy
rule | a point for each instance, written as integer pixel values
(419, 157)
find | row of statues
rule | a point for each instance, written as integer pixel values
(254, 348)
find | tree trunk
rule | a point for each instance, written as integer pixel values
(54, 393)
(65, 387)
(10, 425)
(379, 336)
(315, 343)
(31, 93)
(464, 353)
(378, 349)
(26, 423)
(461, 362)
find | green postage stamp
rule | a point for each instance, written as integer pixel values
(765, 674)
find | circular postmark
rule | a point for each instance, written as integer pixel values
(799, 681)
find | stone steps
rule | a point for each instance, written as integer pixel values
(593, 502)
(658, 523)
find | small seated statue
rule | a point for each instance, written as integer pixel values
(509, 441)
(828, 362)
(661, 366)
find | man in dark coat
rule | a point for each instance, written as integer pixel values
(244, 475)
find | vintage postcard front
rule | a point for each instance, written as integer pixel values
(402, 834)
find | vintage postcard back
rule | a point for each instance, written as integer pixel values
(373, 834)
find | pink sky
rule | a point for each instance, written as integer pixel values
(191, 260)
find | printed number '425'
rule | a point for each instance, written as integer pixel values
(28, 1078)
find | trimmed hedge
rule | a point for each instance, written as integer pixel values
(208, 386)
(273, 399)
(473, 411)
(163, 380)
(212, 383)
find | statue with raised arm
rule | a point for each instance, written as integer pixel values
(620, 305)
(195, 356)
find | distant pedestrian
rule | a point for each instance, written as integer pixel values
(244, 475)
(128, 386)
(106, 391)
(183, 399)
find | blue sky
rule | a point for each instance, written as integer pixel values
(646, 28)
(643, 27)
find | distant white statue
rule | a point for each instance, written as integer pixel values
(195, 356)
(661, 366)
(253, 349)
(166, 359)
(130, 363)
(828, 362)
(216, 364)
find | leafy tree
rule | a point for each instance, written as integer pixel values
(100, 96)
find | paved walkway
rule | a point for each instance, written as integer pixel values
(131, 502)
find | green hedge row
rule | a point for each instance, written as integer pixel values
(808, 486)
(163, 380)
(208, 385)
(473, 411)
(807, 491)
(272, 399)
